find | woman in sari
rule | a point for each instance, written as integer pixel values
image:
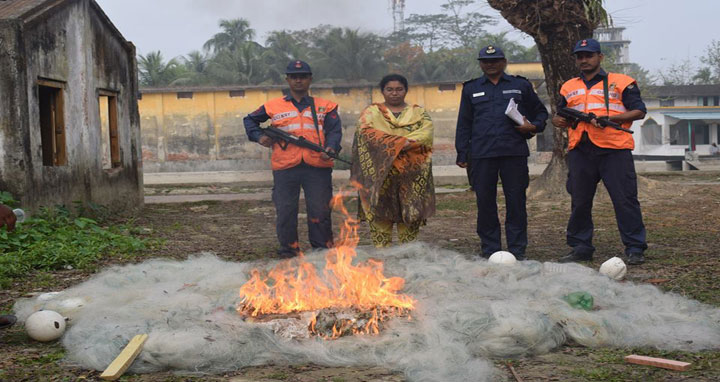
(392, 165)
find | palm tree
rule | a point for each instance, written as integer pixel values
(154, 71)
(234, 33)
(239, 66)
(195, 65)
(349, 55)
(282, 47)
(196, 61)
(555, 25)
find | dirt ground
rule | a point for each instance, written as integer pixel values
(681, 212)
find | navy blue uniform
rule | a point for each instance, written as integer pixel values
(487, 140)
(587, 165)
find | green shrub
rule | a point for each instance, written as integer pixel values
(55, 238)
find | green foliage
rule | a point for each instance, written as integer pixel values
(596, 13)
(234, 33)
(6, 198)
(55, 238)
(154, 71)
(514, 51)
(439, 47)
(710, 74)
(348, 54)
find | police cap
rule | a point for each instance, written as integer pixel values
(298, 67)
(490, 52)
(587, 45)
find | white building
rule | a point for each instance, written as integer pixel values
(680, 119)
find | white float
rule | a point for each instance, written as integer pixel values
(502, 257)
(614, 268)
(45, 325)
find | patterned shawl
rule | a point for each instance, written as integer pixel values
(395, 184)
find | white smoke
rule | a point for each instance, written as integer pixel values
(467, 311)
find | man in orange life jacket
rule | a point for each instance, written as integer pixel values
(596, 153)
(294, 167)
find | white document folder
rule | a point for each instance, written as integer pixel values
(512, 112)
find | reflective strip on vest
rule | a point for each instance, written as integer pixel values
(593, 101)
(575, 93)
(287, 114)
(290, 127)
(613, 106)
(308, 114)
(601, 93)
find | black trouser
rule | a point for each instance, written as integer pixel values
(513, 172)
(588, 165)
(317, 186)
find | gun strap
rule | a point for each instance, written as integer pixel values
(605, 93)
(315, 121)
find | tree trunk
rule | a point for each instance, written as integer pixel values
(555, 25)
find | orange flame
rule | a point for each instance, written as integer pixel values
(294, 285)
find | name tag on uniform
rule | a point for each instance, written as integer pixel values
(512, 91)
(478, 94)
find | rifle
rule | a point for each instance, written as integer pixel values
(576, 116)
(280, 136)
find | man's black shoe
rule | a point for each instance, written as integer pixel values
(520, 257)
(575, 257)
(284, 253)
(636, 258)
(7, 320)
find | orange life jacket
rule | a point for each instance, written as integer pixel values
(592, 100)
(285, 116)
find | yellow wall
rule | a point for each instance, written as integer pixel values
(206, 132)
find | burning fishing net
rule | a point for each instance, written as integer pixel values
(349, 297)
(464, 311)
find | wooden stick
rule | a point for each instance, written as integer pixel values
(125, 358)
(512, 370)
(657, 362)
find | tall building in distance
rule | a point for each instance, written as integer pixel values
(612, 43)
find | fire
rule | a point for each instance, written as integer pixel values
(295, 286)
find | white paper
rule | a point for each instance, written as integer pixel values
(512, 112)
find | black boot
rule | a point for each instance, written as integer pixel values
(635, 258)
(574, 256)
(7, 320)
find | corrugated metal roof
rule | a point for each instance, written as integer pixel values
(15, 9)
(681, 91)
(694, 116)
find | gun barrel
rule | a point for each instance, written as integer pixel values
(576, 115)
(275, 133)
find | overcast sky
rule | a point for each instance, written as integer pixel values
(663, 32)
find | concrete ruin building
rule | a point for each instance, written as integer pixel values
(69, 122)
